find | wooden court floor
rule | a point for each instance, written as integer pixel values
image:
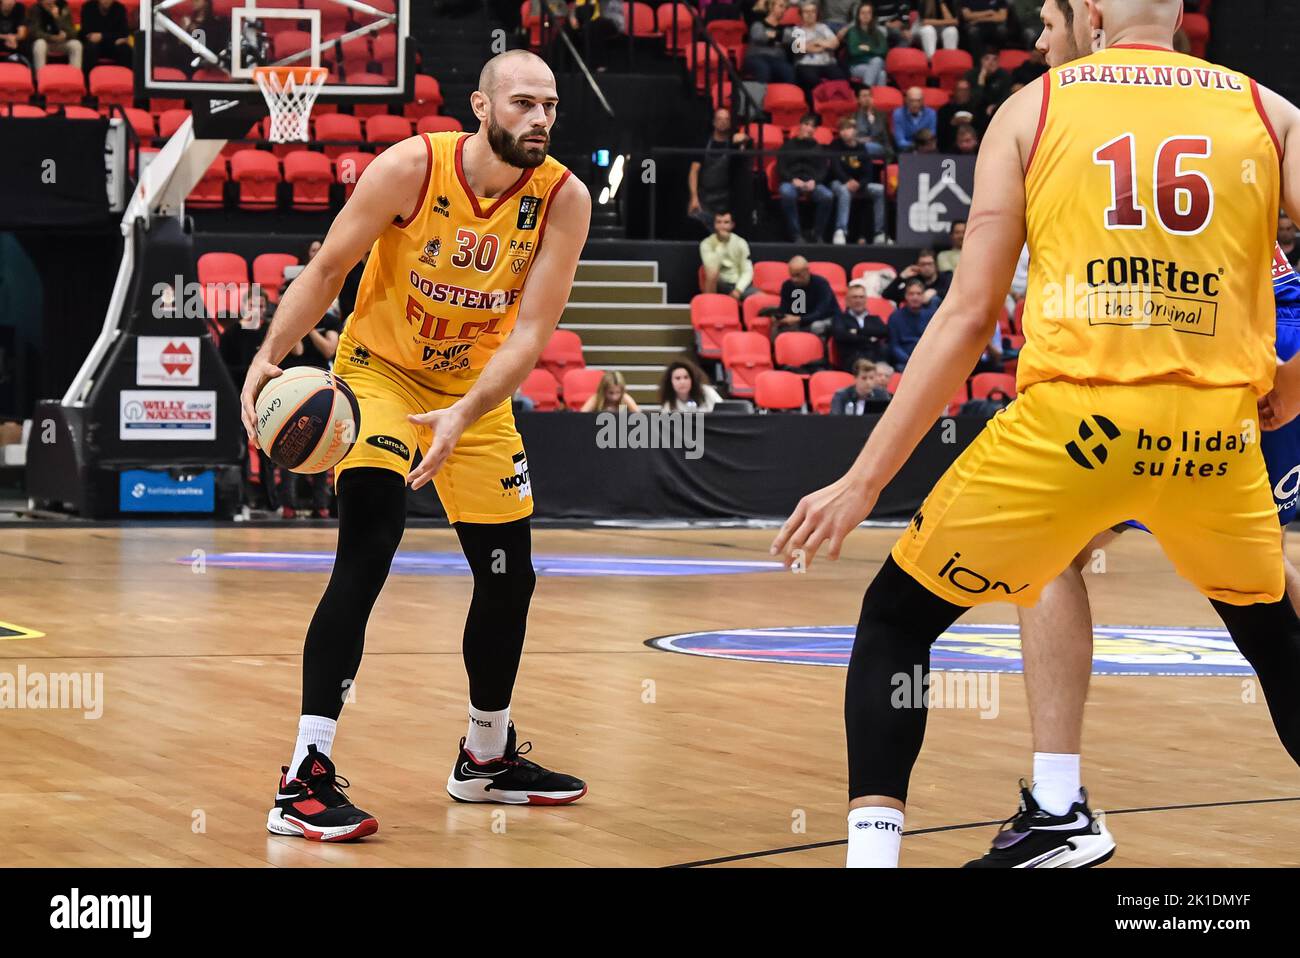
(689, 759)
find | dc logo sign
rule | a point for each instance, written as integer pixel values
(1079, 453)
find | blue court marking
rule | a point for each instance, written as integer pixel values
(453, 563)
(1117, 649)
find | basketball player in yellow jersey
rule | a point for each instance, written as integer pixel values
(473, 240)
(1147, 184)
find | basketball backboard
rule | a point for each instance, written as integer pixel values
(210, 47)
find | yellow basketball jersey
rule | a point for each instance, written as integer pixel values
(1152, 197)
(441, 289)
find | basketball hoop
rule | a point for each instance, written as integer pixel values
(290, 93)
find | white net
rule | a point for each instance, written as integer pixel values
(290, 93)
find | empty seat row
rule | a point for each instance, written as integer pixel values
(224, 276)
(257, 175)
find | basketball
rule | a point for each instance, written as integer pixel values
(307, 420)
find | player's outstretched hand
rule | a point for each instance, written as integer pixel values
(824, 517)
(260, 372)
(447, 426)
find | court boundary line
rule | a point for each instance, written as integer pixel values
(811, 846)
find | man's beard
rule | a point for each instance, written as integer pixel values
(509, 149)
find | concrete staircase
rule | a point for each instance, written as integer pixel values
(619, 309)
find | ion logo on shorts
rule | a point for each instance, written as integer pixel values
(389, 444)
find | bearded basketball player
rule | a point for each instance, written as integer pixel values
(1054, 827)
(1124, 172)
(474, 240)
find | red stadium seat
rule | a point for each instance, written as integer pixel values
(15, 83)
(387, 130)
(679, 40)
(833, 273)
(268, 273)
(730, 35)
(981, 384)
(892, 385)
(209, 192)
(427, 100)
(1010, 59)
(541, 387)
(769, 274)
(384, 50)
(833, 99)
(769, 134)
(532, 22)
(713, 315)
(257, 173)
(823, 386)
(786, 103)
(169, 121)
(935, 98)
(862, 269)
(959, 399)
(643, 21)
(744, 356)
(61, 83)
(438, 124)
(159, 104)
(349, 166)
(907, 67)
(799, 349)
(880, 307)
(24, 111)
(223, 276)
(310, 174)
(338, 128)
(778, 390)
(562, 354)
(112, 84)
(288, 42)
(578, 385)
(81, 113)
(949, 66)
(1197, 28)
(823, 135)
(142, 122)
(887, 99)
(749, 309)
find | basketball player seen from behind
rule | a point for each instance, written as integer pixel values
(474, 240)
(1054, 827)
(1124, 171)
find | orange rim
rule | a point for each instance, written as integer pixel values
(299, 74)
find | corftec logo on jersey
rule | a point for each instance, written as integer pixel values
(1139, 291)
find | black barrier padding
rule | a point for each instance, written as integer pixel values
(52, 173)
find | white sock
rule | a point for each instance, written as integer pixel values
(875, 834)
(312, 730)
(486, 738)
(1056, 781)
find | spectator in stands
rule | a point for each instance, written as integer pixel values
(239, 343)
(685, 388)
(1286, 239)
(725, 257)
(293, 272)
(968, 141)
(984, 23)
(990, 84)
(1028, 17)
(926, 269)
(807, 301)
(865, 395)
(316, 349)
(53, 33)
(897, 18)
(13, 33)
(926, 142)
(1029, 71)
(908, 322)
(610, 395)
(873, 128)
(937, 21)
(912, 117)
(767, 57)
(947, 260)
(990, 360)
(865, 46)
(106, 34)
(958, 111)
(709, 179)
(852, 175)
(839, 14)
(859, 335)
(802, 166)
(597, 23)
(813, 45)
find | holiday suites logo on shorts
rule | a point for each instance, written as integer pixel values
(185, 415)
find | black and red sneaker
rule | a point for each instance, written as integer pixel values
(511, 779)
(312, 805)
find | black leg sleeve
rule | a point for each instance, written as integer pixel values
(372, 516)
(1268, 635)
(884, 714)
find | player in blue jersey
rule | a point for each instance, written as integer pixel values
(1054, 827)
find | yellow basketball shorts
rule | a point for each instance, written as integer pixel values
(485, 479)
(1065, 461)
